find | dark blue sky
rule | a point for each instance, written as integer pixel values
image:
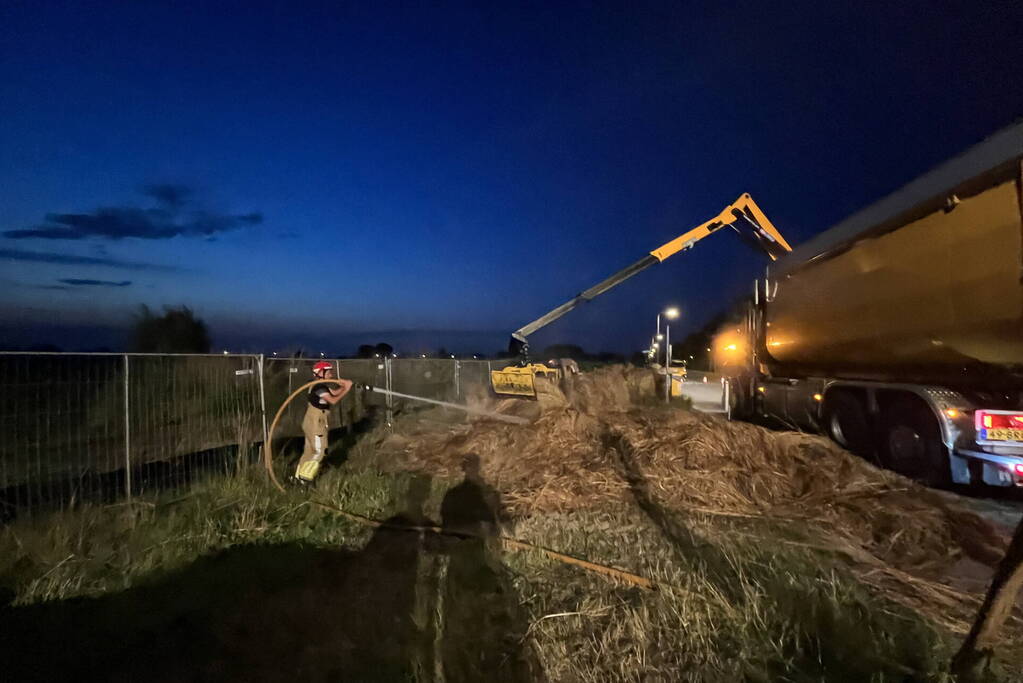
(307, 174)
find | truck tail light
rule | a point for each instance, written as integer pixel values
(999, 419)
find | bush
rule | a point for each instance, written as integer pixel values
(176, 331)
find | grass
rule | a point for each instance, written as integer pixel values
(94, 549)
(737, 609)
(779, 614)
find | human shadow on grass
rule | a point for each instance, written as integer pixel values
(482, 625)
(289, 612)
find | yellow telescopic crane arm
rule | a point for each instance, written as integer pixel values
(743, 216)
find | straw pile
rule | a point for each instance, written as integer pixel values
(595, 445)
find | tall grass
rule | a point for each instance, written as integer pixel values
(94, 549)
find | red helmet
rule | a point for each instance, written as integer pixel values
(322, 367)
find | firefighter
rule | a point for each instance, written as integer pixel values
(321, 397)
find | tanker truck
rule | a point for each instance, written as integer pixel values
(899, 331)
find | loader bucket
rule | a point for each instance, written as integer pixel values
(513, 381)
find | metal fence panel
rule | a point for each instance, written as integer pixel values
(190, 415)
(474, 378)
(428, 377)
(102, 426)
(61, 429)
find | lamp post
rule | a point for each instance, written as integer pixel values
(670, 314)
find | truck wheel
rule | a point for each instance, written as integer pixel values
(912, 445)
(847, 423)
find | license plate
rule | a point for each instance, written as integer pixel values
(1005, 434)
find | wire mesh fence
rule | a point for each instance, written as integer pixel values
(282, 376)
(63, 429)
(105, 427)
(190, 415)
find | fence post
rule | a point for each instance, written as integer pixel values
(127, 434)
(726, 397)
(262, 403)
(458, 386)
(342, 414)
(387, 385)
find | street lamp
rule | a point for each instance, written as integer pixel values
(669, 313)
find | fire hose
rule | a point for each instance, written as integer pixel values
(507, 542)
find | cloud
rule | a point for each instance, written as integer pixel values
(171, 195)
(78, 282)
(71, 259)
(175, 213)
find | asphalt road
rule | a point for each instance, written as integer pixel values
(706, 396)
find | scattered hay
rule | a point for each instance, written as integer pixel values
(592, 446)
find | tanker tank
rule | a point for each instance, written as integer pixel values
(931, 294)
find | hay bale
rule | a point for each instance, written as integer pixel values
(602, 390)
(549, 395)
(642, 384)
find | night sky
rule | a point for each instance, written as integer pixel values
(302, 174)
